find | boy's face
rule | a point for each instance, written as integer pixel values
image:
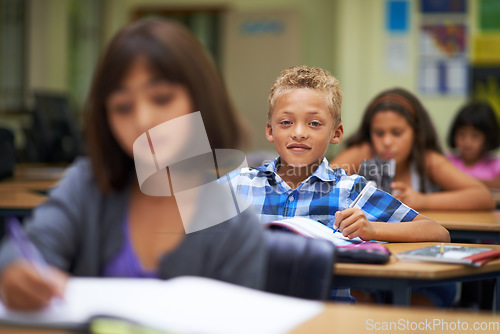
(302, 127)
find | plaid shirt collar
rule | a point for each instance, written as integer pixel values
(324, 172)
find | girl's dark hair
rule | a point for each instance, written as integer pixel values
(407, 105)
(481, 116)
(175, 55)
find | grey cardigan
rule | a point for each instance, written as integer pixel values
(79, 229)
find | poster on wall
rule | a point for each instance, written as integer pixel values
(397, 25)
(443, 63)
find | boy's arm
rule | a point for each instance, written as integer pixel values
(353, 223)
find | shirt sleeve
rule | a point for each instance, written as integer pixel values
(380, 206)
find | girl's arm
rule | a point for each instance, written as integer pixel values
(353, 223)
(459, 190)
(493, 183)
(351, 158)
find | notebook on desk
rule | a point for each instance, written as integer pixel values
(348, 250)
(181, 305)
(454, 254)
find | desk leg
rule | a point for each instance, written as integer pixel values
(401, 295)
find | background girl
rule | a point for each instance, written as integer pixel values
(474, 134)
(396, 126)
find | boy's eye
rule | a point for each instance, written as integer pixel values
(314, 123)
(397, 133)
(378, 133)
(285, 122)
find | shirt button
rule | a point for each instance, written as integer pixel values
(290, 198)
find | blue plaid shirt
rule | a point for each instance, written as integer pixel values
(318, 197)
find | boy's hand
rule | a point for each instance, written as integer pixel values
(352, 223)
(22, 287)
(407, 195)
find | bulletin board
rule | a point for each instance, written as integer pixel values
(443, 63)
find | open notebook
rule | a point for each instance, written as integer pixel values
(181, 305)
(313, 229)
(348, 250)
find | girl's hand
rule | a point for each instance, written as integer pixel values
(352, 223)
(22, 287)
(406, 194)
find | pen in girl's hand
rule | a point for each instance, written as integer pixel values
(24, 247)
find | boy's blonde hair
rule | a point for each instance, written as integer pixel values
(312, 78)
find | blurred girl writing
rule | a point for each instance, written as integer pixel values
(97, 221)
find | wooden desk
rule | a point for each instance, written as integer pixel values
(38, 171)
(495, 193)
(363, 319)
(27, 188)
(469, 225)
(33, 177)
(19, 201)
(400, 276)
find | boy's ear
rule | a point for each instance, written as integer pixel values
(338, 134)
(269, 133)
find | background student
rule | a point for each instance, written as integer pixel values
(396, 126)
(474, 135)
(98, 222)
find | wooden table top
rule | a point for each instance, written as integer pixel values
(362, 319)
(20, 199)
(415, 270)
(481, 220)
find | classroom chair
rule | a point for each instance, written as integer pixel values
(299, 266)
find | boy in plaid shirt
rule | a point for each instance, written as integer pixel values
(303, 119)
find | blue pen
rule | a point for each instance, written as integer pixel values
(358, 198)
(24, 247)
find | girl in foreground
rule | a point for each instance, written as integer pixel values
(97, 222)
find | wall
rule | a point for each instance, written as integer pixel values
(48, 44)
(361, 61)
(346, 37)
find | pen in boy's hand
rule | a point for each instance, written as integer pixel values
(25, 248)
(358, 198)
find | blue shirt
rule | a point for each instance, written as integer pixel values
(318, 197)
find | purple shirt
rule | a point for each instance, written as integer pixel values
(126, 263)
